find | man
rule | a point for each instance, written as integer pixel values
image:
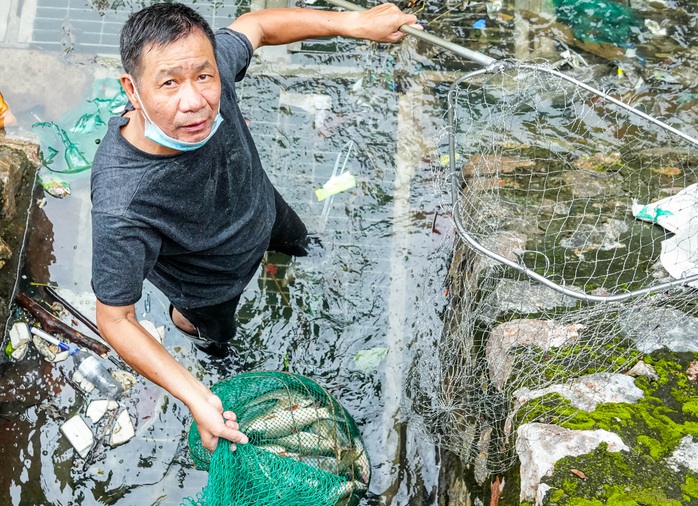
(178, 192)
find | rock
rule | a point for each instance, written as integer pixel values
(79, 435)
(653, 328)
(588, 185)
(586, 392)
(543, 334)
(123, 430)
(10, 179)
(5, 253)
(525, 297)
(539, 446)
(643, 369)
(685, 455)
(97, 409)
(592, 237)
(480, 468)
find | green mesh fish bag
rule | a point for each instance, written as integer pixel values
(304, 448)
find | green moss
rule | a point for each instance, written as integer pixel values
(652, 428)
(690, 487)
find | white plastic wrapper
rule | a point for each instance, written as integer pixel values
(680, 253)
(677, 214)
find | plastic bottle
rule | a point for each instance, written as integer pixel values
(93, 371)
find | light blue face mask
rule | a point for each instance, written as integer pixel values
(155, 133)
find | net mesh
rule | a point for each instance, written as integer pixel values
(304, 448)
(553, 278)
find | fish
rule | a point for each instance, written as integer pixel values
(279, 424)
(308, 443)
(330, 429)
(324, 463)
(344, 491)
(282, 451)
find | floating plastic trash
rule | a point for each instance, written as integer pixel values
(480, 24)
(304, 448)
(79, 435)
(77, 134)
(54, 186)
(336, 184)
(593, 21)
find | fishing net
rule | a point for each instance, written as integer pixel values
(576, 246)
(304, 448)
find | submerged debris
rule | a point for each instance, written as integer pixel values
(79, 435)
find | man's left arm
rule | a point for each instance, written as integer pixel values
(283, 26)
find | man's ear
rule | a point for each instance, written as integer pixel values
(130, 89)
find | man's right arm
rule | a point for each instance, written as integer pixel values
(120, 328)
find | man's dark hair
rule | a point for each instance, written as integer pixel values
(157, 26)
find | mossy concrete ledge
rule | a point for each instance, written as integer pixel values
(18, 165)
(660, 431)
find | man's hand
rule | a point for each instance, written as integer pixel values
(381, 23)
(214, 423)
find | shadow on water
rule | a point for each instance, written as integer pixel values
(375, 283)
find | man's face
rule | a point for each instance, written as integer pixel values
(180, 87)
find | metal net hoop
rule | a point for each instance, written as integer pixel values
(555, 276)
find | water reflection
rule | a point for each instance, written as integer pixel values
(376, 281)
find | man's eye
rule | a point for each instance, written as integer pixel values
(169, 82)
(204, 77)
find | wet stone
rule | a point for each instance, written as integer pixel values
(587, 392)
(588, 185)
(542, 334)
(592, 237)
(685, 455)
(539, 446)
(525, 297)
(653, 328)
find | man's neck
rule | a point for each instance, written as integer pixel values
(133, 132)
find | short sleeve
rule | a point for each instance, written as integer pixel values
(123, 253)
(233, 54)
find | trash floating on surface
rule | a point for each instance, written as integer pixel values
(85, 385)
(336, 184)
(480, 24)
(97, 409)
(19, 340)
(369, 360)
(55, 187)
(157, 332)
(677, 214)
(655, 28)
(672, 213)
(50, 352)
(123, 430)
(94, 371)
(79, 435)
(126, 379)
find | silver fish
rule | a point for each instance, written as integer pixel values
(279, 424)
(308, 444)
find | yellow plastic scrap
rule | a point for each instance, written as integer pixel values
(335, 185)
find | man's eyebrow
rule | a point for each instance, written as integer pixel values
(179, 70)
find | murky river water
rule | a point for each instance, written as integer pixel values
(374, 285)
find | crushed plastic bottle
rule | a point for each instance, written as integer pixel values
(95, 372)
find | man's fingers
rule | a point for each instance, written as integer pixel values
(229, 415)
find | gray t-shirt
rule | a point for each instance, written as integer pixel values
(197, 223)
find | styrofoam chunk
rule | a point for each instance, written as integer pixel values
(19, 335)
(96, 409)
(19, 353)
(86, 385)
(123, 429)
(79, 435)
(152, 330)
